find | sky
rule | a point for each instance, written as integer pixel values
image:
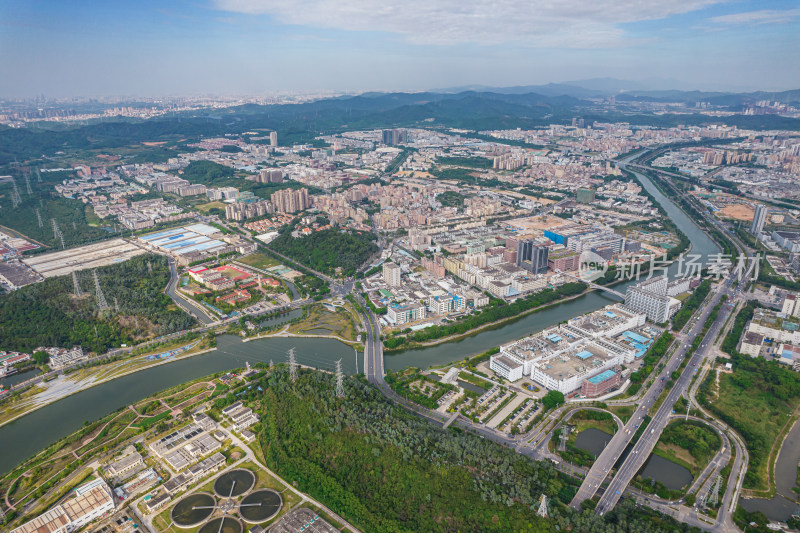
(258, 47)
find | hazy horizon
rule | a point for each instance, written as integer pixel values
(259, 47)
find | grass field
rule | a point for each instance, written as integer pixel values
(205, 208)
(761, 422)
(320, 321)
(259, 261)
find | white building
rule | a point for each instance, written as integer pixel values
(91, 501)
(402, 314)
(391, 274)
(561, 358)
(650, 297)
(506, 367)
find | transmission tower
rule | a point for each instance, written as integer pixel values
(116, 304)
(74, 226)
(271, 364)
(28, 185)
(76, 286)
(714, 499)
(562, 438)
(292, 366)
(339, 380)
(102, 305)
(150, 269)
(57, 234)
(39, 218)
(542, 507)
(15, 199)
(38, 176)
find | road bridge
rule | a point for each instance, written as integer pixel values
(591, 284)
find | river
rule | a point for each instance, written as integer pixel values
(39, 429)
(449, 352)
(44, 426)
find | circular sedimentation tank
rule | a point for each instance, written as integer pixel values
(260, 506)
(193, 509)
(229, 525)
(234, 483)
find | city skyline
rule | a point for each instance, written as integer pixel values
(261, 47)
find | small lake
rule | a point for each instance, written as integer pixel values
(671, 475)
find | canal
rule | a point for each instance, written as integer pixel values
(44, 426)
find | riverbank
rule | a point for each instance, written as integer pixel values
(93, 383)
(285, 334)
(486, 327)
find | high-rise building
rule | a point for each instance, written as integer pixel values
(270, 175)
(395, 137)
(532, 256)
(273, 138)
(759, 218)
(585, 196)
(650, 298)
(391, 274)
(291, 201)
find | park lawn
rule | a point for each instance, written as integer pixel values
(205, 208)
(606, 426)
(625, 412)
(259, 260)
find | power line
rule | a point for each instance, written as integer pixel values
(292, 366)
(102, 305)
(76, 286)
(542, 512)
(339, 380)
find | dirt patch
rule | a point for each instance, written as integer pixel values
(154, 143)
(738, 212)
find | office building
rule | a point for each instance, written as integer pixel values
(759, 218)
(506, 367)
(600, 384)
(273, 138)
(402, 314)
(391, 274)
(532, 256)
(650, 298)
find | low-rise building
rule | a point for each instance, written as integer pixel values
(125, 465)
(402, 314)
(89, 502)
(601, 383)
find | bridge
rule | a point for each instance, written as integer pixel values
(591, 284)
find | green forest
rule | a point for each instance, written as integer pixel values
(213, 174)
(451, 199)
(70, 215)
(325, 250)
(48, 314)
(386, 470)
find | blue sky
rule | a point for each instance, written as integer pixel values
(150, 48)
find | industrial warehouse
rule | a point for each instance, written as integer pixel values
(187, 243)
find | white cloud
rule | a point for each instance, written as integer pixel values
(763, 16)
(542, 23)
